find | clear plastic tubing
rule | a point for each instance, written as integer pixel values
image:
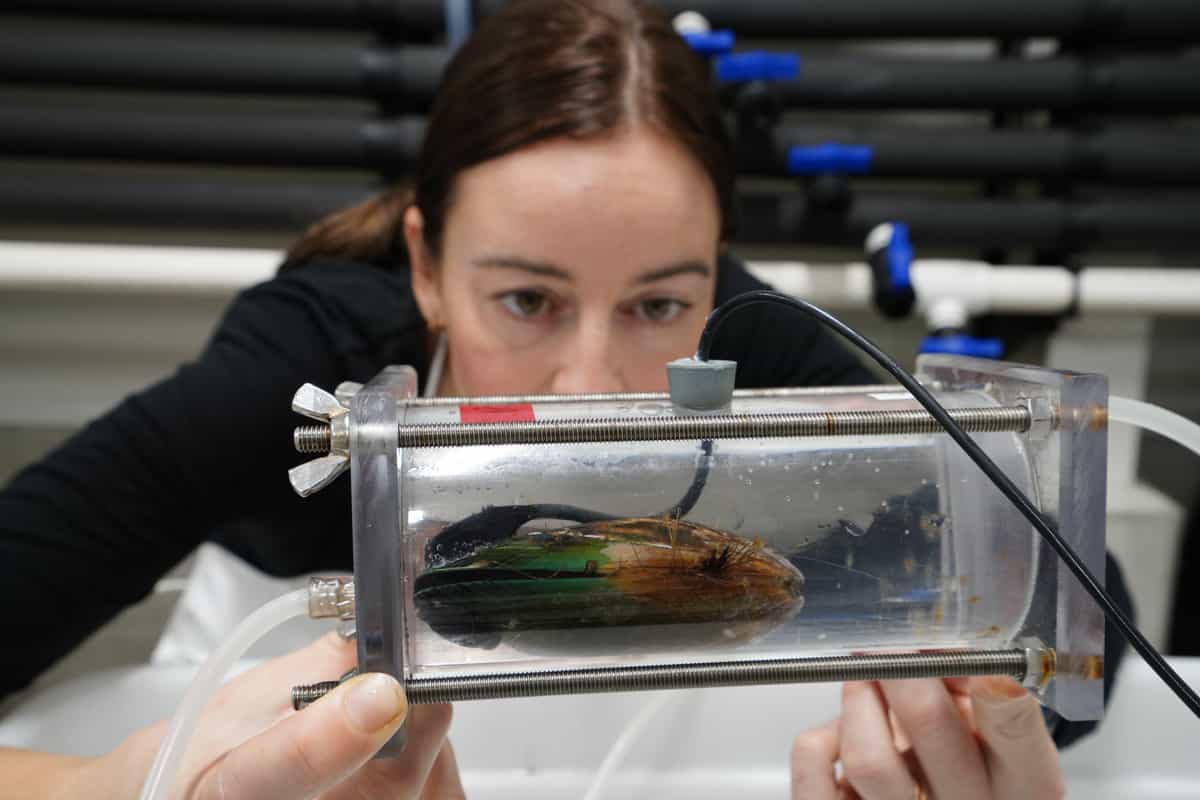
(254, 627)
(1159, 420)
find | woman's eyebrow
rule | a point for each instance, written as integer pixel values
(524, 264)
(671, 270)
(546, 269)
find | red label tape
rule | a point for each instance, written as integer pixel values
(515, 412)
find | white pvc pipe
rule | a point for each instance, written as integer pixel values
(133, 268)
(978, 287)
(170, 753)
(1117, 289)
(833, 286)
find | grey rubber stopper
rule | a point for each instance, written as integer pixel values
(701, 385)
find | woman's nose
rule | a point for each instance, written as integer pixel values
(589, 364)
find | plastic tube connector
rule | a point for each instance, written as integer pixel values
(757, 65)
(890, 256)
(710, 43)
(829, 158)
(331, 597)
(962, 345)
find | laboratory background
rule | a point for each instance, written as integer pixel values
(998, 179)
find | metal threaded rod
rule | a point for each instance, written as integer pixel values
(312, 439)
(716, 426)
(1013, 663)
(310, 693)
(637, 397)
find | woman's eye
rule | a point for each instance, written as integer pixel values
(524, 303)
(660, 309)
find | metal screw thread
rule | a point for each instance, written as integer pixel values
(313, 439)
(308, 694)
(716, 426)
(317, 438)
(1012, 663)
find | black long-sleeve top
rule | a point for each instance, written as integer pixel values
(203, 455)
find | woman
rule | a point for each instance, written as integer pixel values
(562, 233)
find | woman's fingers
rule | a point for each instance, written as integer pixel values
(812, 763)
(312, 751)
(870, 762)
(942, 740)
(402, 776)
(443, 782)
(1021, 757)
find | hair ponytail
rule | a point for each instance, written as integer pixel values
(370, 232)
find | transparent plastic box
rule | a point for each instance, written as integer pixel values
(502, 558)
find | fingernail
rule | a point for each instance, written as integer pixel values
(374, 701)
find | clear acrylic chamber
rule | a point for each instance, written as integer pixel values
(525, 557)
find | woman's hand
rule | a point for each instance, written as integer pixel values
(250, 744)
(977, 738)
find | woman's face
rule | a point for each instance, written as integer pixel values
(571, 266)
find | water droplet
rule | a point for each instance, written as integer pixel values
(841, 508)
(816, 483)
(815, 467)
(822, 636)
(868, 459)
(877, 469)
(883, 503)
(787, 498)
(839, 585)
(787, 467)
(906, 531)
(924, 481)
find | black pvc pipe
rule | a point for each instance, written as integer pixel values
(1122, 155)
(1159, 223)
(277, 139)
(234, 61)
(1128, 155)
(421, 17)
(1089, 20)
(75, 198)
(59, 197)
(1126, 83)
(407, 77)
(1092, 20)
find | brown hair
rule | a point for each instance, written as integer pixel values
(538, 70)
